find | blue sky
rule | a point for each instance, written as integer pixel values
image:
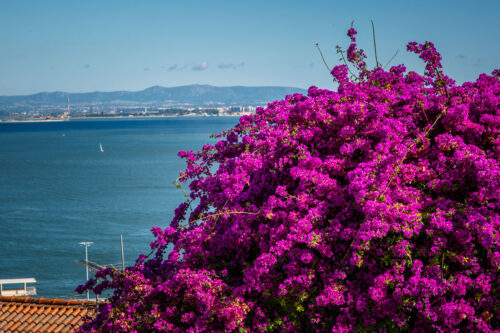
(77, 46)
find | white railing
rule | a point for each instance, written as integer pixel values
(30, 291)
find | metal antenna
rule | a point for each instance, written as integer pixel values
(87, 244)
(123, 258)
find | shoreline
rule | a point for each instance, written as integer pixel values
(114, 117)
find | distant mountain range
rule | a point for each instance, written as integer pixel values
(194, 95)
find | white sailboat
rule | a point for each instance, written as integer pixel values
(100, 147)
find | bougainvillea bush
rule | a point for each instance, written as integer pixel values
(371, 208)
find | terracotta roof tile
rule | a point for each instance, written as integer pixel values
(61, 312)
(76, 312)
(59, 328)
(44, 328)
(18, 317)
(67, 320)
(32, 318)
(15, 326)
(38, 327)
(31, 310)
(24, 327)
(74, 321)
(41, 318)
(30, 327)
(10, 316)
(8, 325)
(3, 316)
(52, 328)
(53, 318)
(26, 314)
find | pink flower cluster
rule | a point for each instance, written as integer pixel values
(371, 208)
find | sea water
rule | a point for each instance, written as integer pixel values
(57, 188)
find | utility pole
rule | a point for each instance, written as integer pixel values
(87, 244)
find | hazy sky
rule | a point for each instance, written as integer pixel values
(77, 46)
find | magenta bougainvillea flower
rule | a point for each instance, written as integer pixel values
(373, 207)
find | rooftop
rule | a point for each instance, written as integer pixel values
(23, 280)
(27, 314)
(31, 291)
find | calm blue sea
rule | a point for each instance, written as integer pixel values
(58, 189)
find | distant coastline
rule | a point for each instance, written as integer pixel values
(56, 119)
(154, 101)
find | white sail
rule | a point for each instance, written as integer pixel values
(100, 147)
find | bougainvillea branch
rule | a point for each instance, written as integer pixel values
(322, 57)
(390, 60)
(377, 64)
(371, 208)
